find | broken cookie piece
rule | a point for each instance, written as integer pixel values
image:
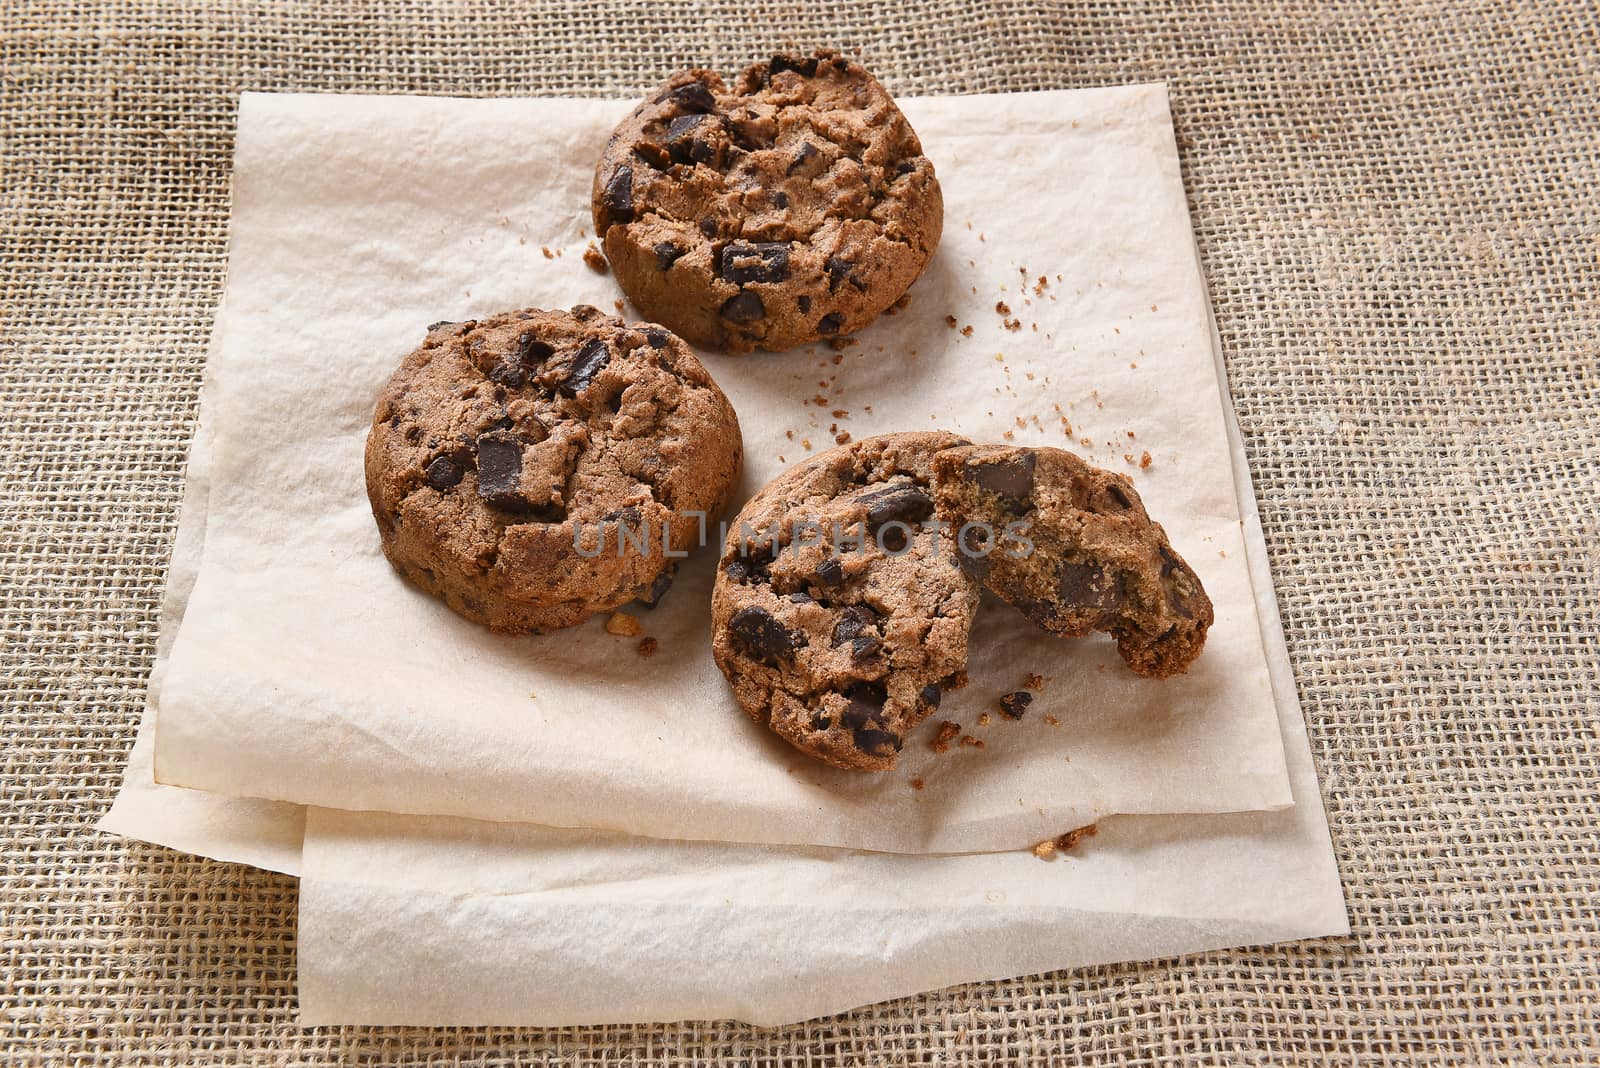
(1088, 556)
(536, 467)
(840, 615)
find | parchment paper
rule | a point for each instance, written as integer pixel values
(306, 671)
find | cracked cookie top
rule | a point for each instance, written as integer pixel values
(791, 206)
(507, 454)
(840, 614)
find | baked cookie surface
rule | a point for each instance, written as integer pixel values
(792, 206)
(1097, 562)
(505, 453)
(840, 613)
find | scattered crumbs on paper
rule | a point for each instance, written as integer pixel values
(1015, 703)
(1051, 720)
(1144, 460)
(969, 740)
(1002, 309)
(648, 647)
(1063, 843)
(947, 734)
(547, 253)
(596, 260)
(621, 307)
(1034, 681)
(623, 625)
(917, 784)
(966, 331)
(842, 438)
(984, 720)
(951, 321)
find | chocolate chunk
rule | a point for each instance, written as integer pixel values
(803, 302)
(780, 199)
(509, 374)
(443, 473)
(442, 322)
(1013, 705)
(685, 143)
(617, 197)
(760, 633)
(1085, 586)
(708, 226)
(658, 338)
(500, 470)
(805, 154)
(591, 359)
(866, 703)
(737, 571)
(904, 501)
(585, 312)
(805, 67)
(766, 261)
(852, 621)
(1008, 478)
(746, 307)
(694, 97)
(820, 722)
(876, 742)
(531, 351)
(830, 572)
(658, 589)
(830, 323)
(865, 647)
(838, 270)
(931, 695)
(666, 254)
(800, 597)
(1118, 495)
(653, 155)
(905, 166)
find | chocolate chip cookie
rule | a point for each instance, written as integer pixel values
(1097, 560)
(793, 206)
(840, 613)
(533, 468)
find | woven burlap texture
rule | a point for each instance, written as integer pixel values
(1399, 212)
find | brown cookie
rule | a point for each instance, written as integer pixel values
(840, 635)
(532, 467)
(1097, 560)
(795, 205)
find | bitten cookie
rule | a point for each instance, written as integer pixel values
(839, 613)
(793, 206)
(1098, 561)
(509, 455)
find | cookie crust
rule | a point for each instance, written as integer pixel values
(505, 453)
(791, 206)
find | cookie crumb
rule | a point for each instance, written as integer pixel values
(950, 321)
(956, 681)
(648, 647)
(947, 734)
(596, 260)
(1015, 703)
(547, 253)
(1034, 682)
(1045, 849)
(1013, 325)
(1001, 308)
(1073, 837)
(917, 784)
(1051, 720)
(842, 438)
(966, 331)
(623, 625)
(1144, 461)
(969, 740)
(984, 720)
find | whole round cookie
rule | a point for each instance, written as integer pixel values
(793, 206)
(532, 468)
(1093, 557)
(840, 612)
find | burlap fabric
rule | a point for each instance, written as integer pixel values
(1399, 210)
